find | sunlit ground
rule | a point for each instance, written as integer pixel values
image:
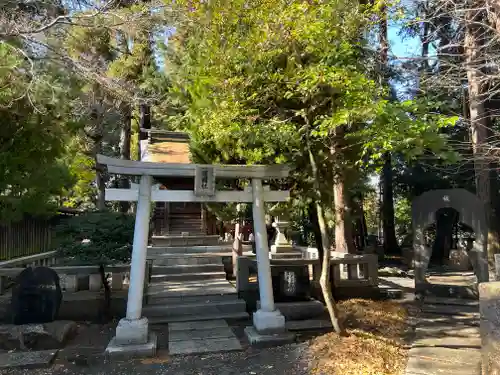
(376, 343)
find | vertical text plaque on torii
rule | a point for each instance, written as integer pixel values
(204, 181)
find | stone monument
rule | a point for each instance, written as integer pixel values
(36, 296)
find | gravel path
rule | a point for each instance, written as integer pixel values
(289, 360)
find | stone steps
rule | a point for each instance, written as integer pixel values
(214, 298)
(188, 282)
(184, 259)
(190, 288)
(174, 250)
(187, 268)
(195, 238)
(201, 307)
(447, 339)
(200, 317)
(189, 276)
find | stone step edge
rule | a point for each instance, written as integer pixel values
(212, 298)
(194, 318)
(155, 308)
(195, 275)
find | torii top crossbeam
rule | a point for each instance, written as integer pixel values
(138, 168)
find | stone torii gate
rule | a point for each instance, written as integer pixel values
(132, 333)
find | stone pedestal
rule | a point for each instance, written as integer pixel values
(132, 339)
(281, 244)
(282, 249)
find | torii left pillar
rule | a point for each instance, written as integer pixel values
(132, 333)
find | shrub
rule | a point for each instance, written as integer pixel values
(96, 238)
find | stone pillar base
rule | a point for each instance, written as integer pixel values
(148, 349)
(132, 331)
(132, 339)
(268, 321)
(268, 339)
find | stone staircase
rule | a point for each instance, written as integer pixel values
(185, 222)
(188, 283)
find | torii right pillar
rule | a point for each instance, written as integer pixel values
(268, 322)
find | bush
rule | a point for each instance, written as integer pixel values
(96, 238)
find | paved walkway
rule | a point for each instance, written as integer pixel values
(201, 337)
(447, 339)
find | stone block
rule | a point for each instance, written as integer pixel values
(117, 281)
(147, 349)
(27, 360)
(46, 336)
(268, 321)
(132, 332)
(459, 260)
(69, 283)
(221, 344)
(260, 339)
(95, 282)
(299, 310)
(489, 308)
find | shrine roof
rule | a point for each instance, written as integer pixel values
(167, 147)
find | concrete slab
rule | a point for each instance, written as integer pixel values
(133, 351)
(204, 346)
(450, 309)
(449, 342)
(443, 361)
(27, 360)
(266, 340)
(436, 319)
(446, 330)
(451, 301)
(190, 326)
(202, 334)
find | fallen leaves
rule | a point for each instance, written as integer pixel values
(375, 345)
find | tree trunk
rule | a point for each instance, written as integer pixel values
(474, 39)
(125, 151)
(343, 224)
(388, 226)
(96, 136)
(105, 313)
(144, 123)
(313, 218)
(388, 220)
(325, 281)
(344, 241)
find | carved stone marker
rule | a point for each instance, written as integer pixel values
(291, 283)
(36, 297)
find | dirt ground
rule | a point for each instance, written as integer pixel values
(376, 346)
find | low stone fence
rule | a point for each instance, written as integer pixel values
(347, 270)
(44, 259)
(72, 278)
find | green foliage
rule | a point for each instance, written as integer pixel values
(109, 235)
(402, 215)
(32, 136)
